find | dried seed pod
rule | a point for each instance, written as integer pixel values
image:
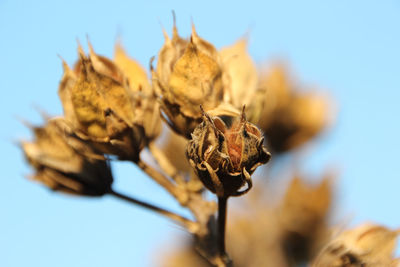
(188, 75)
(102, 109)
(302, 217)
(366, 245)
(65, 163)
(224, 158)
(289, 118)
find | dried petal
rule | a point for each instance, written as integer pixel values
(240, 74)
(136, 75)
(144, 101)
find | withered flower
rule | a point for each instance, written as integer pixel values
(102, 107)
(66, 163)
(188, 75)
(224, 158)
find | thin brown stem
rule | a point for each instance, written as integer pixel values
(164, 163)
(222, 209)
(188, 224)
(172, 188)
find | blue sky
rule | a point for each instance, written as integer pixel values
(350, 49)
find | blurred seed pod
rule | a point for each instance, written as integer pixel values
(225, 157)
(366, 245)
(65, 163)
(103, 109)
(289, 118)
(302, 217)
(188, 75)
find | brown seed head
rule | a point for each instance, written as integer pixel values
(103, 109)
(188, 75)
(65, 163)
(225, 157)
(289, 118)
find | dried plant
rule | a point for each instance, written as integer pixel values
(225, 116)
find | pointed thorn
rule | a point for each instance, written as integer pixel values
(243, 115)
(151, 63)
(194, 33)
(91, 49)
(173, 17)
(80, 49)
(26, 123)
(166, 37)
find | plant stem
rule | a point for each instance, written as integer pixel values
(222, 209)
(162, 180)
(164, 163)
(190, 225)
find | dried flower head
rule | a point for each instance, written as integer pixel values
(366, 245)
(66, 163)
(225, 157)
(289, 118)
(102, 107)
(188, 75)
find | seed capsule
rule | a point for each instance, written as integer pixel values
(225, 157)
(65, 163)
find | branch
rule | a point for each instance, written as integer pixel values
(188, 224)
(173, 189)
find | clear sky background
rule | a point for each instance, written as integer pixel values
(351, 49)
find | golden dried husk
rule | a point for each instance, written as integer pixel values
(65, 163)
(189, 74)
(102, 107)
